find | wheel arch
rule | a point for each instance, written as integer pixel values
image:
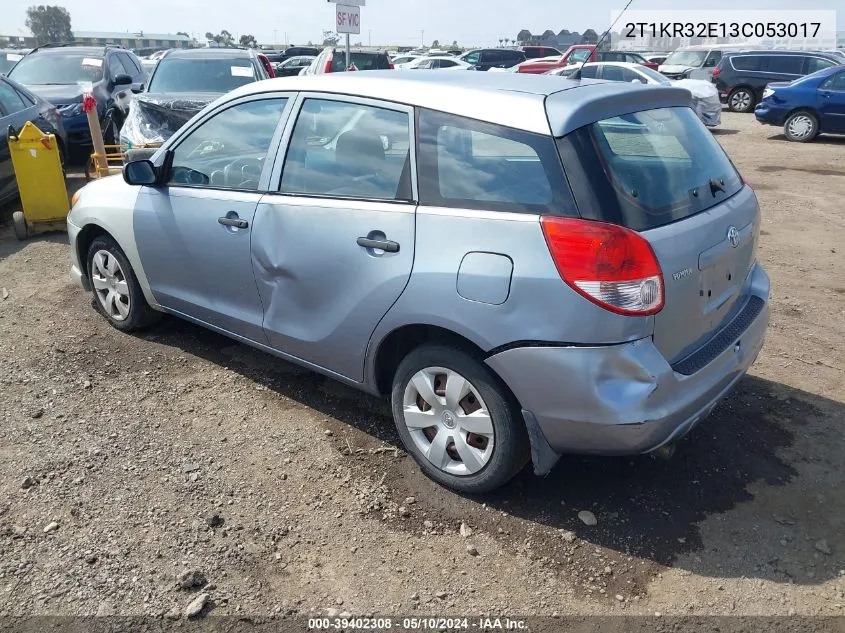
(808, 110)
(390, 349)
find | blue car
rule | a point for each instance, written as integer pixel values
(806, 107)
(61, 73)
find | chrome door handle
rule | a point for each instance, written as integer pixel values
(236, 222)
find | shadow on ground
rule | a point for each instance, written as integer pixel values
(730, 468)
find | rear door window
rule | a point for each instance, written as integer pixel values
(786, 64)
(647, 169)
(361, 60)
(468, 164)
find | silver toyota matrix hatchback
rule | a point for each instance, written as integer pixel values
(528, 266)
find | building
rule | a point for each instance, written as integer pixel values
(140, 40)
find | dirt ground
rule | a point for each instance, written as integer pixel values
(126, 461)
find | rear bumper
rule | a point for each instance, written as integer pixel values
(626, 399)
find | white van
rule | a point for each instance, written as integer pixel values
(682, 62)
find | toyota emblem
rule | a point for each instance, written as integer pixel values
(733, 236)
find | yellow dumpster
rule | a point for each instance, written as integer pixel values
(41, 181)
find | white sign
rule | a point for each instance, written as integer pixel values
(348, 19)
(351, 3)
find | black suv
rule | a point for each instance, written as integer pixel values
(59, 73)
(487, 58)
(741, 77)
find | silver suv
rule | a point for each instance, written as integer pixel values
(526, 266)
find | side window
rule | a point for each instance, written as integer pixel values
(447, 63)
(10, 100)
(786, 64)
(228, 150)
(612, 72)
(473, 58)
(115, 67)
(579, 55)
(349, 150)
(817, 63)
(834, 82)
(468, 164)
(589, 72)
(749, 62)
(131, 66)
(712, 59)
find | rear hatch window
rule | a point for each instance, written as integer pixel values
(646, 169)
(183, 75)
(657, 172)
(362, 61)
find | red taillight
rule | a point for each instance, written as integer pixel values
(716, 72)
(267, 66)
(328, 67)
(610, 265)
(390, 65)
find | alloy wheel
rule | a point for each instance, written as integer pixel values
(741, 100)
(110, 285)
(448, 421)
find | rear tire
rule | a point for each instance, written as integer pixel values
(742, 100)
(117, 293)
(19, 224)
(484, 441)
(801, 126)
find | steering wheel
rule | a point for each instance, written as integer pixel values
(241, 171)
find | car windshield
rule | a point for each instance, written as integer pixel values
(216, 74)
(646, 169)
(57, 69)
(685, 58)
(654, 75)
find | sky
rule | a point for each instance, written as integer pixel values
(383, 22)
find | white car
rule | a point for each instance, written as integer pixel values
(439, 62)
(705, 96)
(402, 61)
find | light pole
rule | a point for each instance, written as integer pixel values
(275, 39)
(422, 37)
(369, 37)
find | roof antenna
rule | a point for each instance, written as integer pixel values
(603, 35)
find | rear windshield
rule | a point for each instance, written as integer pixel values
(647, 169)
(217, 75)
(362, 61)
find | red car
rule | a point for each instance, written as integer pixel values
(584, 52)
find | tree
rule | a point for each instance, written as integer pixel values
(435, 44)
(182, 33)
(248, 40)
(454, 43)
(523, 36)
(330, 38)
(49, 24)
(589, 37)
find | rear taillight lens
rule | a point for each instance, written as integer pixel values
(610, 265)
(267, 66)
(390, 65)
(716, 72)
(328, 67)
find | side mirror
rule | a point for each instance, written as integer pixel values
(140, 172)
(122, 80)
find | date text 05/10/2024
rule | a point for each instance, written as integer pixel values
(418, 624)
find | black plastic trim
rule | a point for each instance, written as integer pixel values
(724, 339)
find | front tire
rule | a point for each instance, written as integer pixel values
(801, 126)
(457, 420)
(117, 293)
(742, 100)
